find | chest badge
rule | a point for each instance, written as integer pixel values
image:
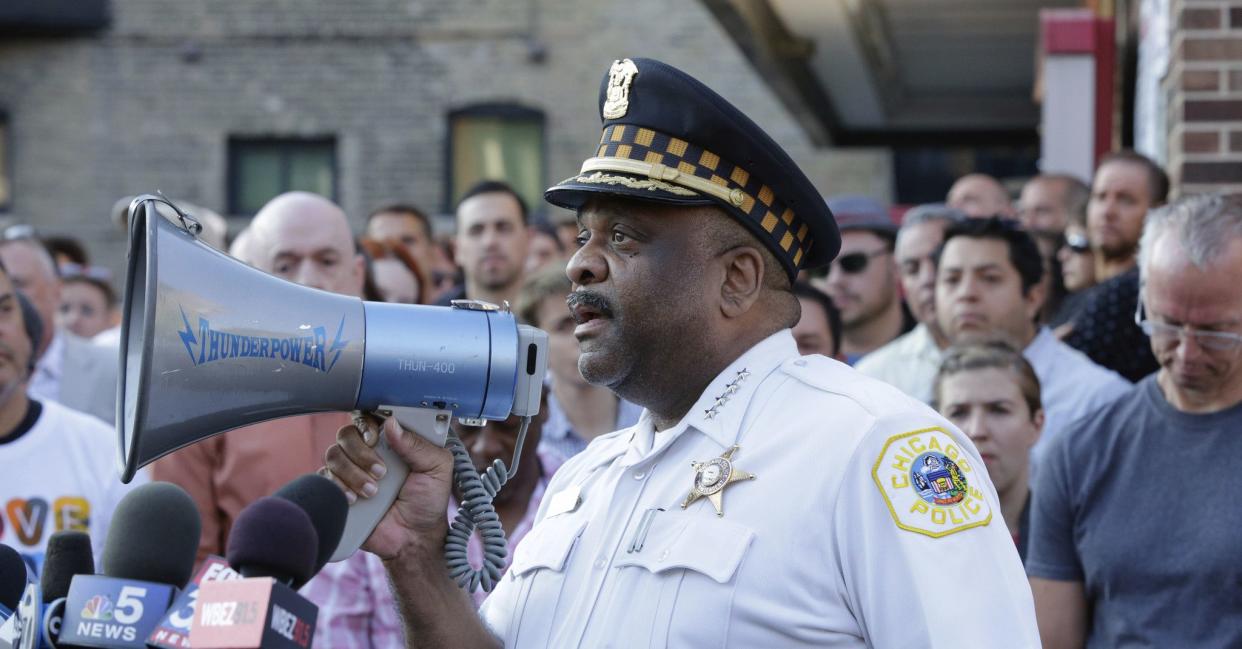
(711, 478)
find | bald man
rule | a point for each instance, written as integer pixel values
(980, 196)
(70, 370)
(303, 238)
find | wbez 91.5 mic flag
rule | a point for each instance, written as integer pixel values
(148, 556)
(274, 545)
(321, 500)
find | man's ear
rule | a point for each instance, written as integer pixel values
(742, 281)
(1034, 300)
(360, 273)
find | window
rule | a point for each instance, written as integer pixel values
(262, 168)
(497, 142)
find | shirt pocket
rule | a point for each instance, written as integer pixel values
(538, 570)
(677, 590)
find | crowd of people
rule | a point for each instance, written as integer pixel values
(1083, 336)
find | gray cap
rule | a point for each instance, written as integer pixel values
(855, 212)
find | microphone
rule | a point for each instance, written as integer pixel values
(14, 584)
(273, 544)
(275, 538)
(68, 555)
(13, 580)
(148, 555)
(173, 631)
(325, 503)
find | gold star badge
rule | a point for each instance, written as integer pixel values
(711, 478)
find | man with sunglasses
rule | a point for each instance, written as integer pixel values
(862, 282)
(1135, 517)
(910, 362)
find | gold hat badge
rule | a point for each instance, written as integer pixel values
(620, 76)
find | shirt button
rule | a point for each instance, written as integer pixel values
(600, 563)
(639, 475)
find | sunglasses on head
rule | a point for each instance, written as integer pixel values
(856, 262)
(1077, 243)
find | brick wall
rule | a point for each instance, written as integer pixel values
(1203, 92)
(150, 103)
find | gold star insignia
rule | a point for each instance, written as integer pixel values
(711, 478)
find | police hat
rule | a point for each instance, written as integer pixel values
(670, 139)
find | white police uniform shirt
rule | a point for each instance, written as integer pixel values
(831, 545)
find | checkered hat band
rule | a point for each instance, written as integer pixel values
(756, 200)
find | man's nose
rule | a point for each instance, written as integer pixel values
(309, 274)
(487, 447)
(586, 266)
(976, 427)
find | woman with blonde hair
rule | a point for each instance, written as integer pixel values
(991, 393)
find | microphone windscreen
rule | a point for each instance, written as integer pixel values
(68, 553)
(325, 503)
(153, 535)
(274, 537)
(13, 578)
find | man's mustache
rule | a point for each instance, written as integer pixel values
(590, 300)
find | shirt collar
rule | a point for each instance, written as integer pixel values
(1041, 344)
(719, 411)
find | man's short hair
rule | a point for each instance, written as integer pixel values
(932, 213)
(1023, 252)
(403, 208)
(1076, 195)
(496, 187)
(549, 281)
(71, 248)
(1157, 179)
(1205, 224)
(803, 289)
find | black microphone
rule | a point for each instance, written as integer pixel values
(68, 555)
(273, 544)
(275, 538)
(325, 503)
(13, 580)
(148, 555)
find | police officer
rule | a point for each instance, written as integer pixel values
(764, 499)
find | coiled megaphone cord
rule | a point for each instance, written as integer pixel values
(475, 511)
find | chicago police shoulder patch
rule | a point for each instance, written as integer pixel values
(925, 479)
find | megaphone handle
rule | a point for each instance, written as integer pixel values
(366, 513)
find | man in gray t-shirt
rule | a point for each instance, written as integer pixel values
(1135, 518)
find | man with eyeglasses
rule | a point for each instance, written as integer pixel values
(862, 281)
(1135, 517)
(910, 362)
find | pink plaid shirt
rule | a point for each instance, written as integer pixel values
(356, 607)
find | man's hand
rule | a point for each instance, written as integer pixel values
(417, 521)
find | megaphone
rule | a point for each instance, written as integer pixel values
(209, 344)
